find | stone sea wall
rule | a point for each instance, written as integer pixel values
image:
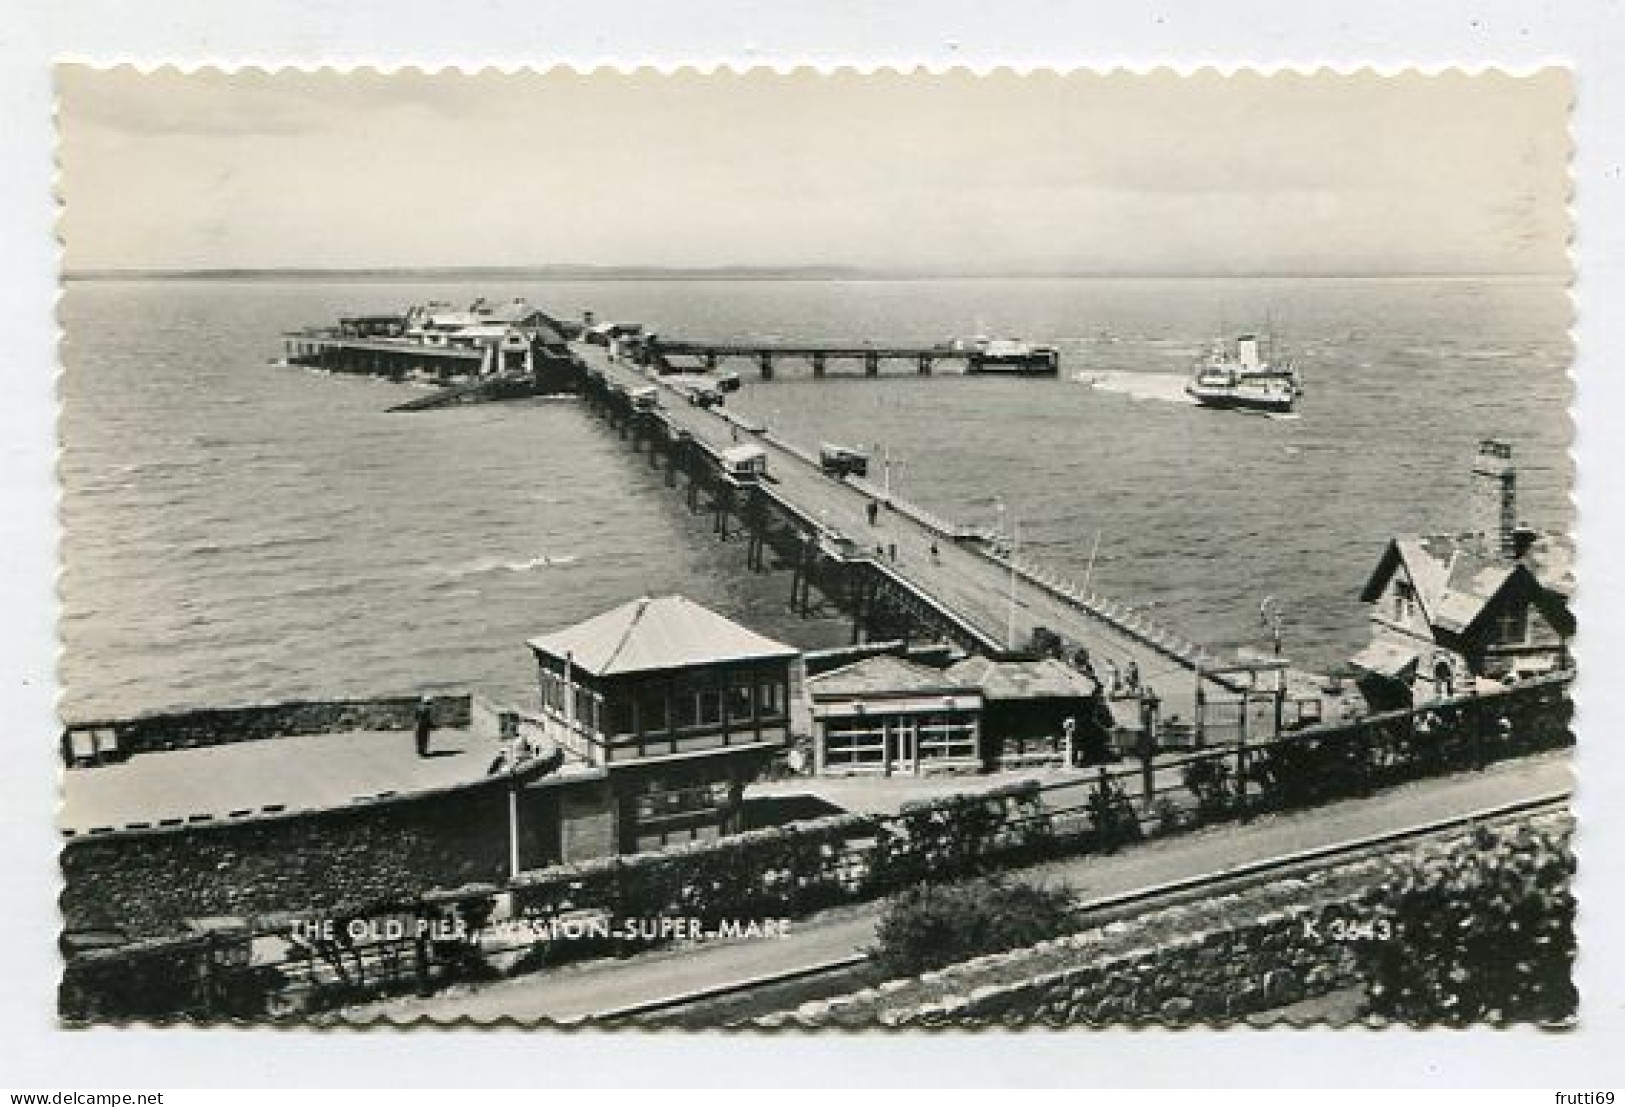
(144, 883)
(1212, 961)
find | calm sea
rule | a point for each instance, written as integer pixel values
(241, 532)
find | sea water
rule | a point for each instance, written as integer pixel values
(239, 531)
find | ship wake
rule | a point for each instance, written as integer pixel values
(1163, 387)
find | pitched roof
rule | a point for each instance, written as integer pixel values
(1388, 659)
(1046, 678)
(669, 632)
(876, 676)
(1457, 576)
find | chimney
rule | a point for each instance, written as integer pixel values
(1495, 497)
(1523, 540)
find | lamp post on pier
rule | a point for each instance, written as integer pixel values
(886, 464)
(1269, 613)
(1015, 546)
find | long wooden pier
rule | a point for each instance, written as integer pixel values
(905, 573)
(671, 354)
(895, 568)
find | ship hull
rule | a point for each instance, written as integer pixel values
(1240, 401)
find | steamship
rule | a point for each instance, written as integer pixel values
(1237, 375)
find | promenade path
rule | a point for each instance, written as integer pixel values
(959, 577)
(580, 991)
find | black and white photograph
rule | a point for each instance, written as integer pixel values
(816, 551)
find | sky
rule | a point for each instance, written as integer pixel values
(1115, 174)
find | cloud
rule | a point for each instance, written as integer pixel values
(1092, 172)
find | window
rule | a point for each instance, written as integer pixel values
(710, 706)
(652, 714)
(586, 708)
(1404, 599)
(616, 716)
(552, 691)
(1512, 628)
(947, 737)
(855, 743)
(658, 802)
(1444, 680)
(771, 693)
(741, 697)
(686, 707)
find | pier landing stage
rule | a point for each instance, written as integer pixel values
(962, 577)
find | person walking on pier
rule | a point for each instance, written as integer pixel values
(874, 512)
(1133, 677)
(936, 554)
(1114, 682)
(1082, 662)
(425, 725)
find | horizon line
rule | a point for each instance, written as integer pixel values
(770, 272)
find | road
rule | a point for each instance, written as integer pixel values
(958, 576)
(580, 991)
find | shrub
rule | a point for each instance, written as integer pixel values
(933, 925)
(1306, 769)
(1111, 815)
(1212, 782)
(1167, 817)
(1482, 935)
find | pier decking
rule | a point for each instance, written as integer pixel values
(922, 360)
(930, 564)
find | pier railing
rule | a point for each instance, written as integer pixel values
(1122, 618)
(1126, 619)
(296, 967)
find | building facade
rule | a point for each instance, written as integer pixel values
(1486, 606)
(1039, 711)
(680, 706)
(890, 716)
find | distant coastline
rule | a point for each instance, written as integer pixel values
(725, 273)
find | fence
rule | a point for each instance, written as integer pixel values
(1125, 618)
(573, 911)
(88, 743)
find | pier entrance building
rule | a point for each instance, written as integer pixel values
(679, 705)
(890, 716)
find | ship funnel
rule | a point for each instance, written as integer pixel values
(1247, 351)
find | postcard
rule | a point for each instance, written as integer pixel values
(816, 551)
